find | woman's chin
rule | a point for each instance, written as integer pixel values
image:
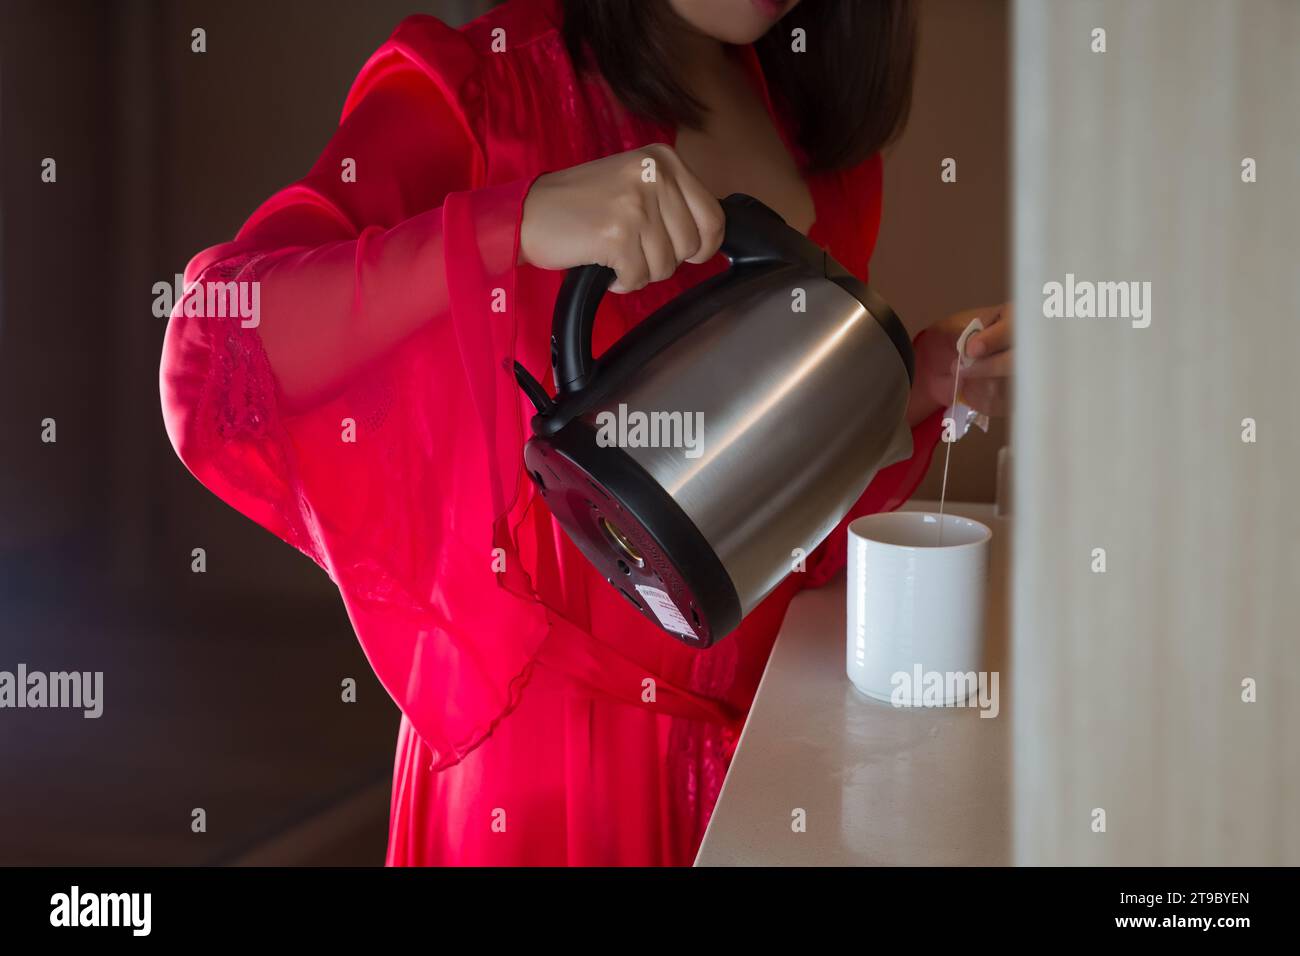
(732, 21)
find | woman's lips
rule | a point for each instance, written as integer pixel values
(770, 8)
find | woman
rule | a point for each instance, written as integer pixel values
(368, 415)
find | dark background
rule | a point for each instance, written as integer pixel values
(222, 689)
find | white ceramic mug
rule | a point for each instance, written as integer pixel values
(914, 606)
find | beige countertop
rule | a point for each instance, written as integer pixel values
(877, 785)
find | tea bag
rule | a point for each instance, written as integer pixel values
(959, 413)
(962, 415)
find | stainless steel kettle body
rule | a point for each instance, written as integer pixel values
(719, 442)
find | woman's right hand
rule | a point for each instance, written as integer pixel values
(641, 213)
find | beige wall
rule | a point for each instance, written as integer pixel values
(944, 247)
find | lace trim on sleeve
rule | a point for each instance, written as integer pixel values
(240, 406)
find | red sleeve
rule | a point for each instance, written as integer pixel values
(361, 407)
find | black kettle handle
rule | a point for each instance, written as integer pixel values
(754, 234)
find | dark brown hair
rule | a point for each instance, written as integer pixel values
(848, 95)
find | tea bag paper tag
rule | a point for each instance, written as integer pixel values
(975, 326)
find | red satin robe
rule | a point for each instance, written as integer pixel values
(525, 736)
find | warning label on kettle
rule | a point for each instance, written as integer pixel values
(665, 610)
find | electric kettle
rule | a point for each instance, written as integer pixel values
(722, 439)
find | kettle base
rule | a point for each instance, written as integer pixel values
(634, 534)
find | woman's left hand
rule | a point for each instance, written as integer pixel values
(986, 384)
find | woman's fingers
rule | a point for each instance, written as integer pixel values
(706, 211)
(986, 383)
(996, 337)
(631, 270)
(990, 396)
(657, 246)
(678, 221)
(997, 365)
(641, 212)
